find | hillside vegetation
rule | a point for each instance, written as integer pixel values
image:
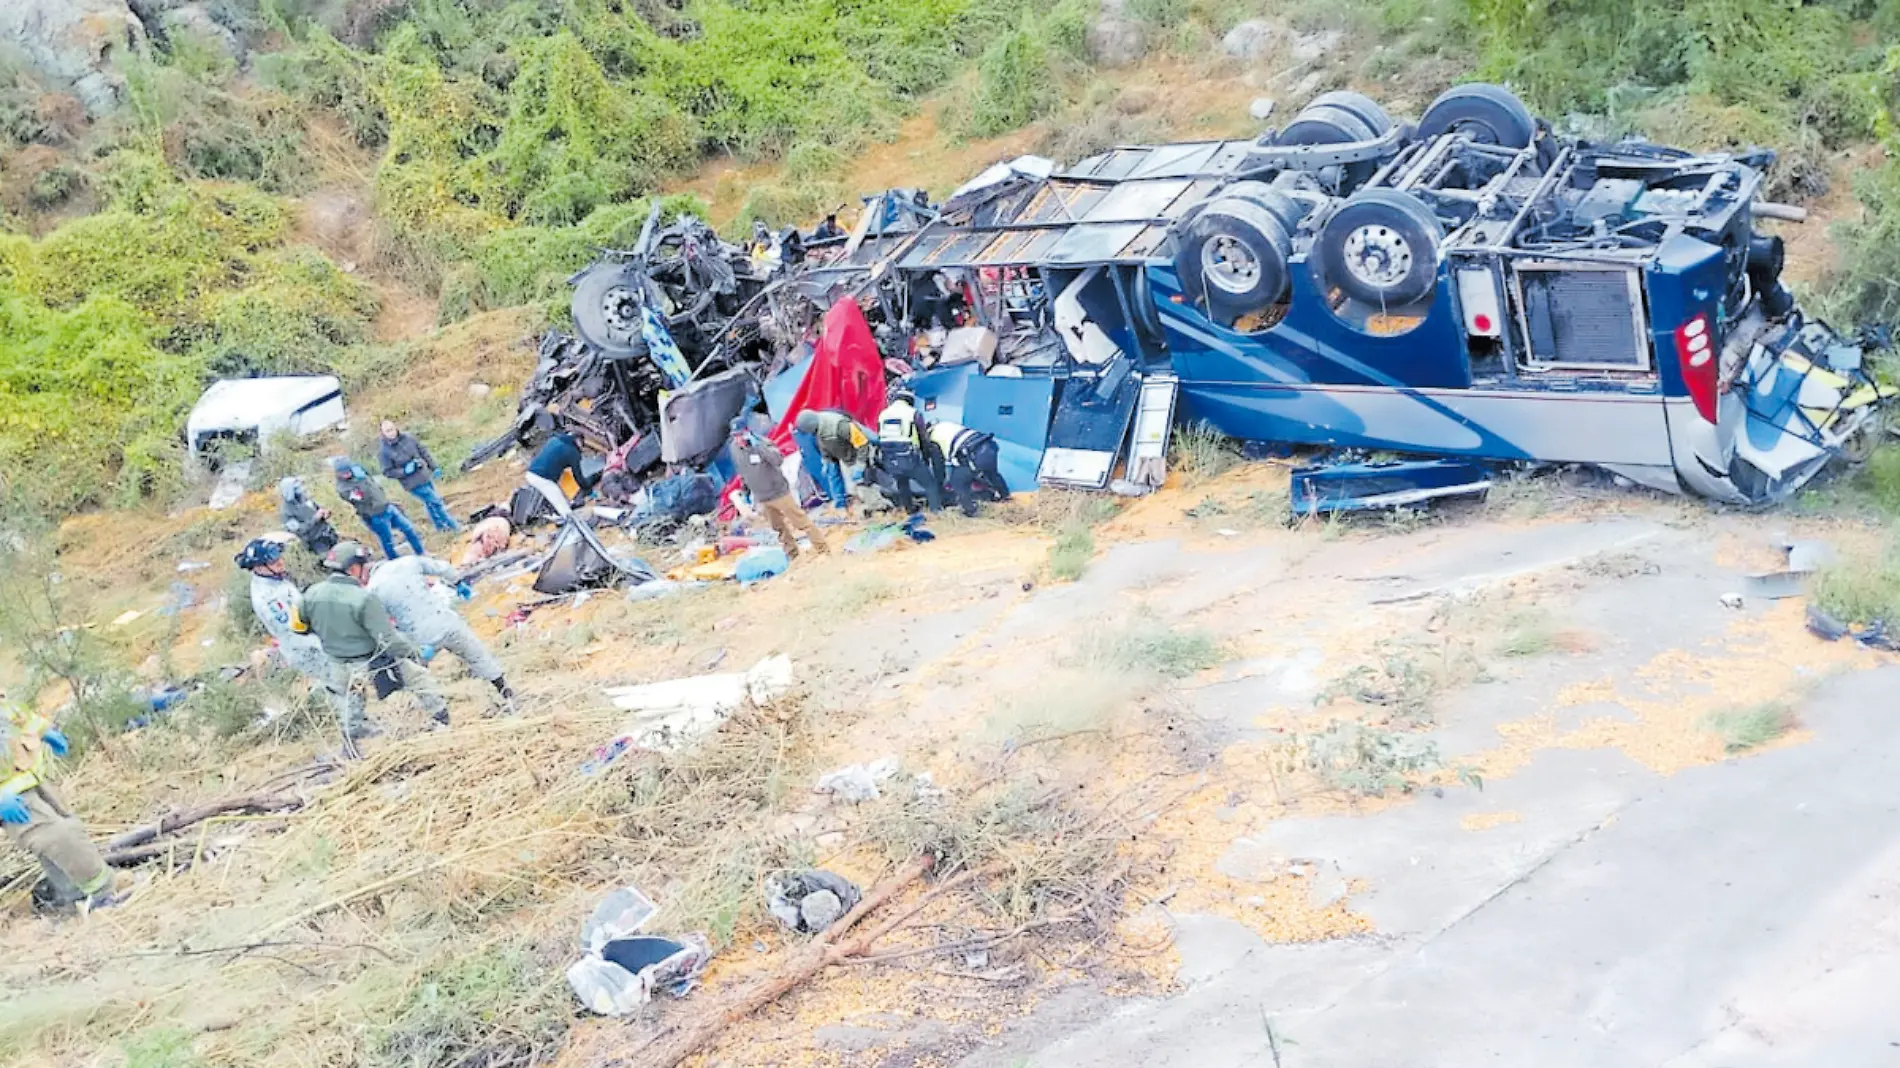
(505, 140)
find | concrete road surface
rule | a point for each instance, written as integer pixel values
(1740, 915)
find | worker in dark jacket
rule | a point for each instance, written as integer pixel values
(904, 452)
(972, 457)
(407, 460)
(826, 442)
(758, 462)
(561, 454)
(357, 487)
(357, 633)
(304, 517)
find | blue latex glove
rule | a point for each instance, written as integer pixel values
(410, 467)
(464, 590)
(13, 810)
(428, 653)
(56, 741)
(438, 474)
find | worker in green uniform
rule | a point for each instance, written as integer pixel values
(357, 633)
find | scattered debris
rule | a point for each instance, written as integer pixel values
(809, 901)
(1731, 600)
(856, 782)
(674, 712)
(1872, 635)
(761, 562)
(620, 968)
(1804, 559)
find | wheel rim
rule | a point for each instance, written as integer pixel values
(620, 313)
(1228, 264)
(1378, 256)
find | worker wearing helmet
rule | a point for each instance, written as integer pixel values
(356, 632)
(902, 452)
(276, 602)
(972, 458)
(36, 819)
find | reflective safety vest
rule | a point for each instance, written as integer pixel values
(897, 425)
(28, 759)
(951, 438)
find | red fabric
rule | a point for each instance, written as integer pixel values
(846, 373)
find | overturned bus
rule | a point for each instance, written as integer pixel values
(1471, 287)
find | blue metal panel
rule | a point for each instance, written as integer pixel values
(1016, 411)
(941, 391)
(782, 387)
(1685, 278)
(1312, 344)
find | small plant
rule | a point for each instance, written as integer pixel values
(1748, 728)
(1152, 648)
(161, 1048)
(1201, 452)
(1365, 760)
(494, 1007)
(1861, 588)
(225, 707)
(1069, 556)
(1403, 681)
(1527, 635)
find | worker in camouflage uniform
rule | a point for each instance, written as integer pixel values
(36, 819)
(357, 633)
(275, 601)
(407, 587)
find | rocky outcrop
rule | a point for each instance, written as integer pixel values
(74, 45)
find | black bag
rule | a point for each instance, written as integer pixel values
(385, 674)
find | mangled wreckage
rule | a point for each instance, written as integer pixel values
(1473, 290)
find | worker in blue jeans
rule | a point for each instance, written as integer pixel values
(406, 460)
(357, 487)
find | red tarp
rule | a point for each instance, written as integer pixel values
(846, 373)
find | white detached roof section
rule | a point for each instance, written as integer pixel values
(255, 409)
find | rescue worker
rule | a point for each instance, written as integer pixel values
(903, 452)
(304, 517)
(404, 587)
(561, 454)
(829, 230)
(827, 441)
(356, 632)
(758, 462)
(37, 820)
(971, 454)
(407, 461)
(276, 602)
(359, 488)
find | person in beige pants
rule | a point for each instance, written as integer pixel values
(758, 462)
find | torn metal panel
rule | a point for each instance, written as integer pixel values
(1361, 487)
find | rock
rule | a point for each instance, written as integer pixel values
(1114, 41)
(1261, 109)
(1310, 46)
(1249, 40)
(480, 389)
(1309, 86)
(820, 910)
(193, 21)
(74, 44)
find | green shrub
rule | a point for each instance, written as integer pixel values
(1014, 85)
(1742, 729)
(1065, 28)
(1162, 13)
(493, 1007)
(54, 186)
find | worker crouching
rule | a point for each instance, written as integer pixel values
(406, 589)
(37, 820)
